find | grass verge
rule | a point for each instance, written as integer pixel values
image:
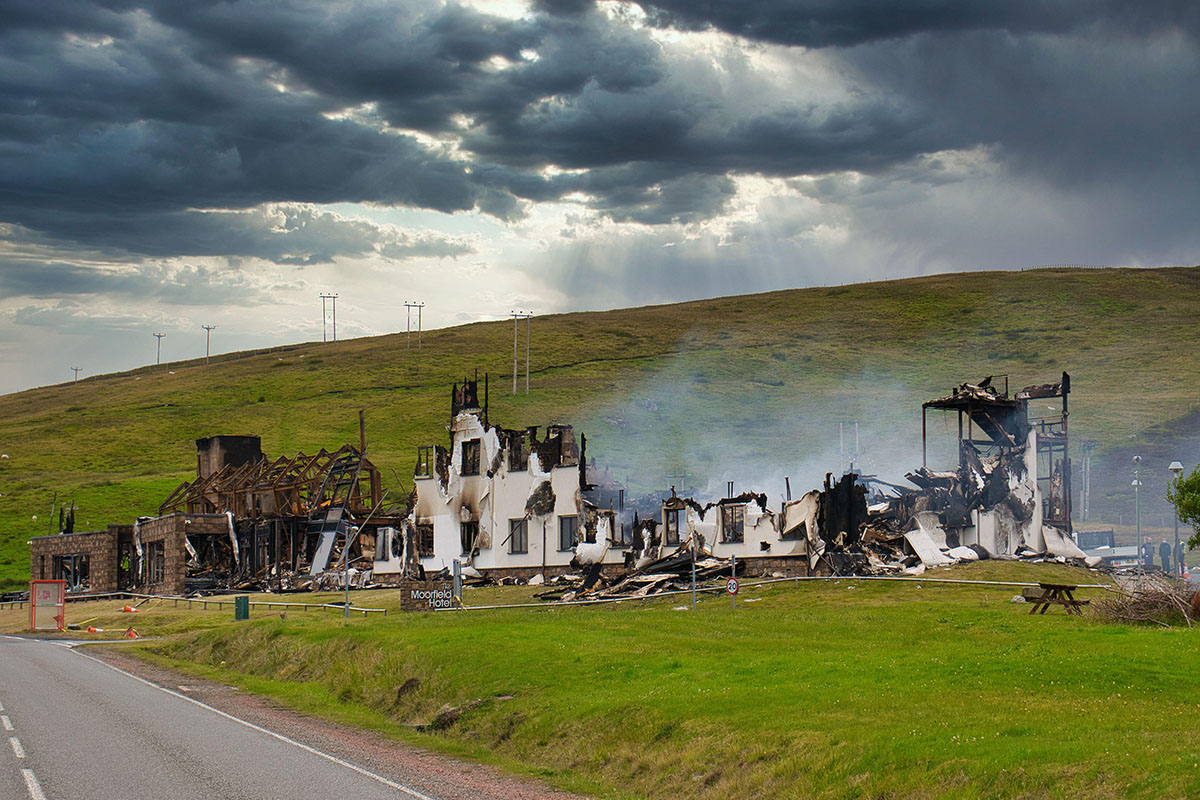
(846, 689)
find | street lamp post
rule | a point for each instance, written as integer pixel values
(1137, 511)
(1176, 469)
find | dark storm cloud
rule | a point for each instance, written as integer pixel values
(843, 23)
(284, 234)
(121, 121)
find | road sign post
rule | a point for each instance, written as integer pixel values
(731, 585)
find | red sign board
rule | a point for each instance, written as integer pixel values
(47, 605)
(731, 586)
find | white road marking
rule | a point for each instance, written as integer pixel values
(16, 746)
(353, 767)
(31, 783)
(6, 722)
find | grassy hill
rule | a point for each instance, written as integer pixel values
(747, 388)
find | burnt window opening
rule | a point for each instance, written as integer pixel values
(733, 523)
(156, 571)
(75, 569)
(470, 457)
(798, 532)
(262, 550)
(671, 530)
(620, 499)
(568, 532)
(518, 536)
(518, 454)
(383, 539)
(396, 540)
(468, 534)
(42, 567)
(424, 462)
(424, 540)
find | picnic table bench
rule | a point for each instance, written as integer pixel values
(1049, 594)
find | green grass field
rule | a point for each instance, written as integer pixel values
(839, 689)
(744, 388)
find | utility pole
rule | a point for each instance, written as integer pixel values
(516, 316)
(1088, 446)
(325, 297)
(408, 323)
(76, 370)
(158, 354)
(208, 329)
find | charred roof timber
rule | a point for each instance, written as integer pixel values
(1003, 420)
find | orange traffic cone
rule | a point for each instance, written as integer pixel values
(95, 630)
(130, 633)
(131, 610)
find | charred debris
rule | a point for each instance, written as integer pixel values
(1009, 497)
(522, 505)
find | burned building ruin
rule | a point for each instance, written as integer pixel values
(522, 504)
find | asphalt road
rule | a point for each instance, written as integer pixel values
(74, 728)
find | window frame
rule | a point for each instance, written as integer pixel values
(671, 534)
(470, 466)
(423, 534)
(424, 468)
(573, 519)
(518, 531)
(733, 514)
(518, 455)
(466, 544)
(156, 562)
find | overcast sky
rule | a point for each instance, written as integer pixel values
(165, 165)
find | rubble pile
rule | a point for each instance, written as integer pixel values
(670, 574)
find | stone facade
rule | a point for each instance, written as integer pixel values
(100, 547)
(171, 531)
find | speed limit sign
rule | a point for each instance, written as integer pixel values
(731, 586)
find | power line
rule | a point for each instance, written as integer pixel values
(208, 329)
(408, 323)
(158, 353)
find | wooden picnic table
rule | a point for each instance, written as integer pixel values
(1062, 594)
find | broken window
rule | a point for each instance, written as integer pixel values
(568, 530)
(672, 526)
(424, 540)
(470, 457)
(798, 532)
(424, 460)
(75, 570)
(733, 523)
(469, 533)
(518, 455)
(518, 536)
(156, 571)
(262, 549)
